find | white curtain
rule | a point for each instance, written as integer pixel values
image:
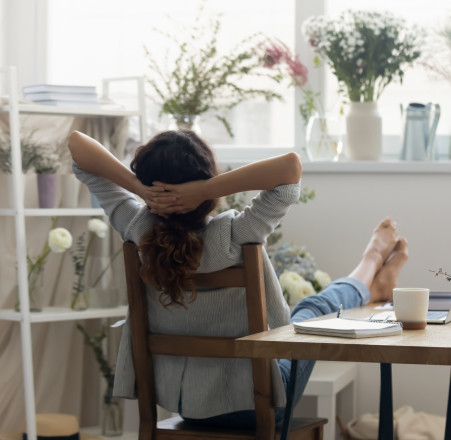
(67, 378)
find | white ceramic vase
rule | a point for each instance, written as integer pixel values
(363, 131)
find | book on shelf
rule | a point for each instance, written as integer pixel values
(348, 328)
(39, 88)
(56, 96)
(60, 103)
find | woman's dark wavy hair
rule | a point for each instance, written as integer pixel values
(172, 250)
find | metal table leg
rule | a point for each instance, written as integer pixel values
(448, 415)
(386, 404)
(290, 395)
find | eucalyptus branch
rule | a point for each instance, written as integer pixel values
(95, 342)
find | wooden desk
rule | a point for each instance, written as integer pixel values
(431, 346)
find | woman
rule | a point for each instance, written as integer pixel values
(176, 174)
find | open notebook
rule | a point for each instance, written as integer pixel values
(348, 328)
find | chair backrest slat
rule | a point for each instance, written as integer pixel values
(194, 346)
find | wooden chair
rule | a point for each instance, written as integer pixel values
(144, 344)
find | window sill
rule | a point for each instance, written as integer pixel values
(383, 166)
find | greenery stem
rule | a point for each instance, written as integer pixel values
(113, 257)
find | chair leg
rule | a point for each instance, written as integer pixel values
(290, 395)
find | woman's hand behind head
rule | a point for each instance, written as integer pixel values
(164, 199)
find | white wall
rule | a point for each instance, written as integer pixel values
(336, 227)
(24, 34)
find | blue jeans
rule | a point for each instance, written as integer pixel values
(349, 292)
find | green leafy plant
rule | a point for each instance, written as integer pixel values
(203, 79)
(95, 342)
(366, 50)
(35, 156)
(96, 228)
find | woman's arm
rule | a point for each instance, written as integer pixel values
(94, 158)
(262, 175)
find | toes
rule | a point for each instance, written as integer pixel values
(384, 223)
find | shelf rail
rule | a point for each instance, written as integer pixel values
(18, 206)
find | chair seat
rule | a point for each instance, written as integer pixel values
(176, 428)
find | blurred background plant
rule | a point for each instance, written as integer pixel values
(198, 78)
(278, 56)
(35, 155)
(96, 343)
(366, 50)
(298, 274)
(437, 59)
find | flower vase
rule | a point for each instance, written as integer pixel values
(80, 300)
(112, 414)
(102, 291)
(364, 131)
(35, 290)
(323, 140)
(46, 189)
(184, 122)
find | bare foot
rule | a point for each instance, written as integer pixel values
(379, 248)
(385, 280)
(382, 242)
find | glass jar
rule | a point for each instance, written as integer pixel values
(112, 415)
(185, 122)
(323, 139)
(35, 291)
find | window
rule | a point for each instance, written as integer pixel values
(92, 40)
(89, 40)
(418, 85)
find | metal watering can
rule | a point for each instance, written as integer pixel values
(420, 125)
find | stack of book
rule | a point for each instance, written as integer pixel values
(67, 96)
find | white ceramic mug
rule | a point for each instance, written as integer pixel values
(411, 306)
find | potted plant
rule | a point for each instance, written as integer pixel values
(46, 163)
(366, 51)
(200, 79)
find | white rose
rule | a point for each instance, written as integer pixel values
(98, 227)
(323, 278)
(60, 239)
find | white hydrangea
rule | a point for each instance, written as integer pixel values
(295, 286)
(322, 278)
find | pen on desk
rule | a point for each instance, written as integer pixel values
(340, 309)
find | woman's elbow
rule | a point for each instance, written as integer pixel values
(293, 168)
(74, 140)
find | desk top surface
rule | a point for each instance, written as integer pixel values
(430, 346)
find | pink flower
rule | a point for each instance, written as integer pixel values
(277, 53)
(274, 54)
(297, 71)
